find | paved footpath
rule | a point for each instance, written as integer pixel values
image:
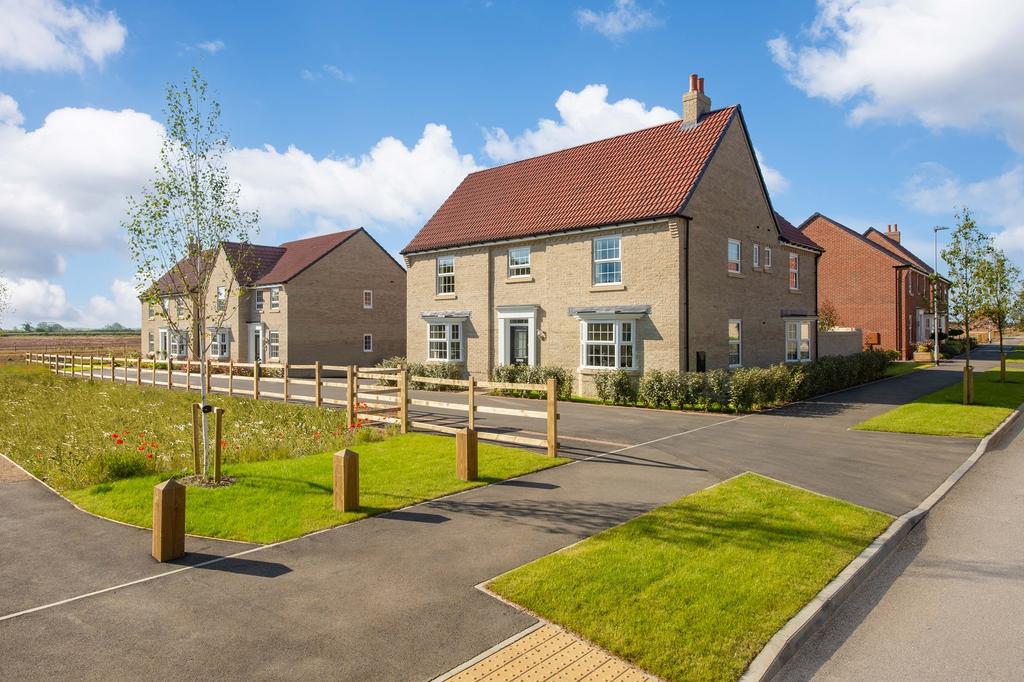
(392, 597)
(949, 603)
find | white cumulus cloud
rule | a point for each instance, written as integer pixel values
(997, 202)
(623, 17)
(944, 63)
(773, 177)
(41, 300)
(10, 114)
(586, 115)
(48, 35)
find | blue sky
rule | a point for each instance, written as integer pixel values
(864, 110)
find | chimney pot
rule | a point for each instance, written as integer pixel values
(700, 85)
(693, 82)
(695, 102)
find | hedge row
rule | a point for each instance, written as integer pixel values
(434, 370)
(521, 374)
(743, 389)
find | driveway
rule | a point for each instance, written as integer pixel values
(393, 597)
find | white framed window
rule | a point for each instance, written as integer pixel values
(222, 299)
(798, 341)
(519, 261)
(273, 345)
(607, 255)
(150, 345)
(367, 299)
(735, 343)
(446, 274)
(735, 256)
(179, 344)
(767, 257)
(179, 306)
(794, 271)
(755, 257)
(275, 298)
(444, 341)
(150, 311)
(220, 344)
(257, 297)
(367, 343)
(608, 344)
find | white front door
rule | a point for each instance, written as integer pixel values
(255, 343)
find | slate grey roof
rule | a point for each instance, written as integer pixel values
(611, 310)
(444, 313)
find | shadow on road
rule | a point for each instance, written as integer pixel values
(238, 565)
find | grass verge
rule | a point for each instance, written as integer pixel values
(943, 413)
(694, 589)
(277, 500)
(896, 369)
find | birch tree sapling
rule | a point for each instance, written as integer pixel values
(1000, 282)
(176, 227)
(965, 256)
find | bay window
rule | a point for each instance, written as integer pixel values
(444, 341)
(798, 341)
(608, 344)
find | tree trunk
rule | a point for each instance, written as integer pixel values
(202, 391)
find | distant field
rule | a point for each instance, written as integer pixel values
(14, 347)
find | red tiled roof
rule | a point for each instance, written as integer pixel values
(256, 264)
(644, 174)
(898, 249)
(792, 235)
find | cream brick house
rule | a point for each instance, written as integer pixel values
(337, 298)
(654, 249)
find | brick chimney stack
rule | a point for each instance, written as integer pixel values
(695, 102)
(893, 232)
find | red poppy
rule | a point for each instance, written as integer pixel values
(119, 441)
(114, 436)
(149, 456)
(224, 443)
(316, 435)
(142, 448)
(154, 446)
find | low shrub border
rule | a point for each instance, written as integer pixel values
(743, 389)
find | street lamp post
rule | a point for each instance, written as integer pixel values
(935, 294)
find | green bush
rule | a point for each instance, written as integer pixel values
(123, 464)
(617, 388)
(692, 389)
(659, 388)
(523, 374)
(433, 370)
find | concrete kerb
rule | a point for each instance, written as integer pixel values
(807, 622)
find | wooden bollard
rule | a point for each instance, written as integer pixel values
(138, 371)
(231, 377)
(113, 369)
(170, 372)
(465, 454)
(552, 418)
(168, 520)
(284, 382)
(256, 380)
(403, 400)
(471, 402)
(219, 413)
(346, 480)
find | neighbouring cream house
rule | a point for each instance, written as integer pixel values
(654, 249)
(337, 298)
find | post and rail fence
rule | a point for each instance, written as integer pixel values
(373, 395)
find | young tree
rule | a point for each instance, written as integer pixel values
(5, 297)
(828, 316)
(1000, 282)
(177, 225)
(965, 256)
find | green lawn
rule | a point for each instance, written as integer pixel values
(896, 369)
(1016, 355)
(943, 413)
(694, 589)
(276, 500)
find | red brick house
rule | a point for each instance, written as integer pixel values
(877, 284)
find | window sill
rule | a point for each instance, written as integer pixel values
(795, 291)
(516, 280)
(739, 275)
(449, 362)
(445, 297)
(608, 287)
(589, 371)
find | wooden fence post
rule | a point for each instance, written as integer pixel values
(465, 454)
(231, 377)
(284, 382)
(170, 372)
(346, 480)
(403, 400)
(219, 413)
(319, 394)
(72, 364)
(197, 424)
(168, 520)
(471, 402)
(113, 372)
(90, 367)
(126, 363)
(256, 380)
(153, 372)
(552, 418)
(350, 395)
(138, 371)
(188, 374)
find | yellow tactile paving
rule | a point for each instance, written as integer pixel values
(550, 654)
